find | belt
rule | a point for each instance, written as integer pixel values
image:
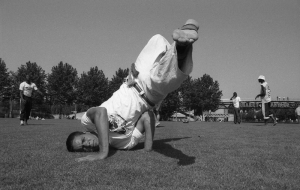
(142, 94)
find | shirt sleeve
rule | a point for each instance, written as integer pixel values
(21, 86)
(34, 87)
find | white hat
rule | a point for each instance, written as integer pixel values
(262, 77)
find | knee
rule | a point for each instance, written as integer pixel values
(100, 112)
(159, 40)
(96, 112)
(157, 37)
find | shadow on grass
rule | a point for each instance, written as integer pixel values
(162, 147)
(112, 151)
(268, 125)
(32, 124)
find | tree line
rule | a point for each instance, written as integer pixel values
(62, 87)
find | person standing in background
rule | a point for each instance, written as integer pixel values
(26, 91)
(236, 106)
(297, 113)
(265, 96)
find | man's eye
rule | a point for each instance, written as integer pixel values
(83, 140)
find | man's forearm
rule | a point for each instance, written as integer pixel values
(101, 123)
(149, 132)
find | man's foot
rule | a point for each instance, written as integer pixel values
(274, 123)
(22, 122)
(187, 34)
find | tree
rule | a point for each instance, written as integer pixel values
(178, 100)
(200, 95)
(187, 93)
(249, 116)
(170, 105)
(4, 78)
(92, 87)
(117, 80)
(62, 82)
(7, 88)
(205, 95)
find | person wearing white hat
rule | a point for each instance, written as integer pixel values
(265, 96)
(127, 116)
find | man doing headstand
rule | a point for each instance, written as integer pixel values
(122, 120)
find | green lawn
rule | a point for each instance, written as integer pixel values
(197, 155)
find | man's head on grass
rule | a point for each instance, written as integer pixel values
(82, 142)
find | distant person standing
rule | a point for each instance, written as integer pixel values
(26, 92)
(236, 106)
(297, 113)
(265, 96)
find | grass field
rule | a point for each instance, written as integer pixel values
(197, 155)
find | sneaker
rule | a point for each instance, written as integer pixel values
(275, 123)
(22, 122)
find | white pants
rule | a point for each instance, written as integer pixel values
(159, 73)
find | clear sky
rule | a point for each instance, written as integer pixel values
(238, 39)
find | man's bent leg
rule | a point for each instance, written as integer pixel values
(272, 115)
(235, 115)
(152, 52)
(23, 110)
(265, 112)
(238, 115)
(147, 124)
(184, 38)
(28, 107)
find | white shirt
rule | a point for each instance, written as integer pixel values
(27, 88)
(298, 110)
(267, 97)
(236, 102)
